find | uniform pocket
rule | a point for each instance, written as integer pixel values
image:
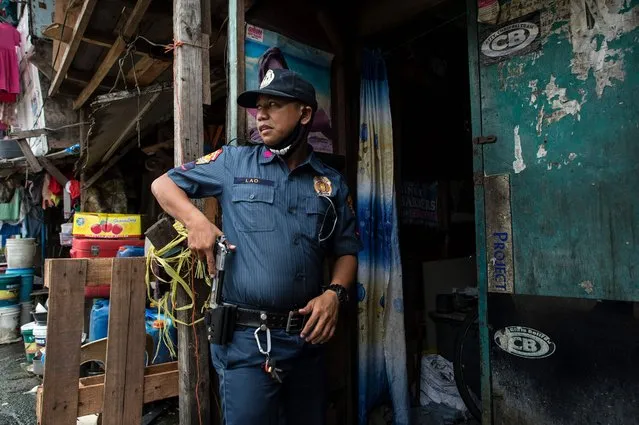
(254, 207)
(320, 217)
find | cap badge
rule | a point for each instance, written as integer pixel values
(322, 185)
(268, 78)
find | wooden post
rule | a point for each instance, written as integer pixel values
(193, 347)
(236, 117)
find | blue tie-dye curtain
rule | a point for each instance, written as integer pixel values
(382, 343)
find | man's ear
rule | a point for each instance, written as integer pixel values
(307, 112)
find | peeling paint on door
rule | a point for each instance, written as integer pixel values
(518, 163)
(560, 104)
(593, 25)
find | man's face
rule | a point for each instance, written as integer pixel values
(277, 117)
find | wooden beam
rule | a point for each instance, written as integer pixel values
(236, 124)
(194, 381)
(69, 53)
(28, 154)
(106, 167)
(64, 331)
(53, 170)
(114, 53)
(206, 53)
(130, 126)
(146, 71)
(99, 271)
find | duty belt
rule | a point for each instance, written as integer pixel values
(292, 322)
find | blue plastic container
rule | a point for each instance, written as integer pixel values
(9, 290)
(26, 286)
(99, 319)
(154, 324)
(130, 251)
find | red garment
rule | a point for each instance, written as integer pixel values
(74, 189)
(9, 69)
(54, 187)
(8, 97)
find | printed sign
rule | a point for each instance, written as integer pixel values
(419, 204)
(514, 38)
(524, 342)
(499, 243)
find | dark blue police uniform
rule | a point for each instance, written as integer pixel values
(283, 222)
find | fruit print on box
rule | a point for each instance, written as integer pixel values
(96, 225)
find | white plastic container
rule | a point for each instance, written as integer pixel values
(9, 321)
(40, 334)
(20, 253)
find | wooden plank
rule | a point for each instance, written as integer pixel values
(114, 53)
(64, 332)
(236, 121)
(98, 270)
(130, 126)
(136, 342)
(114, 160)
(53, 170)
(28, 154)
(157, 386)
(69, 53)
(147, 70)
(149, 370)
(193, 347)
(119, 316)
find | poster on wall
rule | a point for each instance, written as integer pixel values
(419, 204)
(269, 50)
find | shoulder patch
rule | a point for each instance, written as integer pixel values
(322, 185)
(209, 158)
(188, 166)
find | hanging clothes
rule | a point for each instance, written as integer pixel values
(382, 342)
(9, 68)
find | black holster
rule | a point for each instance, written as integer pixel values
(220, 323)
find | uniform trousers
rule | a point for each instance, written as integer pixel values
(249, 396)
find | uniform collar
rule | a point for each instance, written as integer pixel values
(266, 157)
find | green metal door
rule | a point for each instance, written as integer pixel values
(566, 117)
(557, 83)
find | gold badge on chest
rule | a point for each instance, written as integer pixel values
(323, 186)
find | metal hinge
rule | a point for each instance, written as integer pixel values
(478, 178)
(482, 140)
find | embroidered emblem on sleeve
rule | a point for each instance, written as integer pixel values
(209, 158)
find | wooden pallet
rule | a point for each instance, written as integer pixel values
(120, 393)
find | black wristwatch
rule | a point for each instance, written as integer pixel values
(342, 293)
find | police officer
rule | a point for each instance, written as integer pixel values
(284, 212)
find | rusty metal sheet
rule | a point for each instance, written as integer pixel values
(499, 237)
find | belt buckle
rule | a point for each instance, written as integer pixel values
(295, 321)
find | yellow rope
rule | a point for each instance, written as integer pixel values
(175, 266)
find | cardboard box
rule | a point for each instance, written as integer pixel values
(111, 226)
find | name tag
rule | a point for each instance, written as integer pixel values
(253, 180)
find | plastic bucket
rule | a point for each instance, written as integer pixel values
(40, 335)
(9, 317)
(30, 346)
(9, 290)
(26, 276)
(20, 253)
(25, 312)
